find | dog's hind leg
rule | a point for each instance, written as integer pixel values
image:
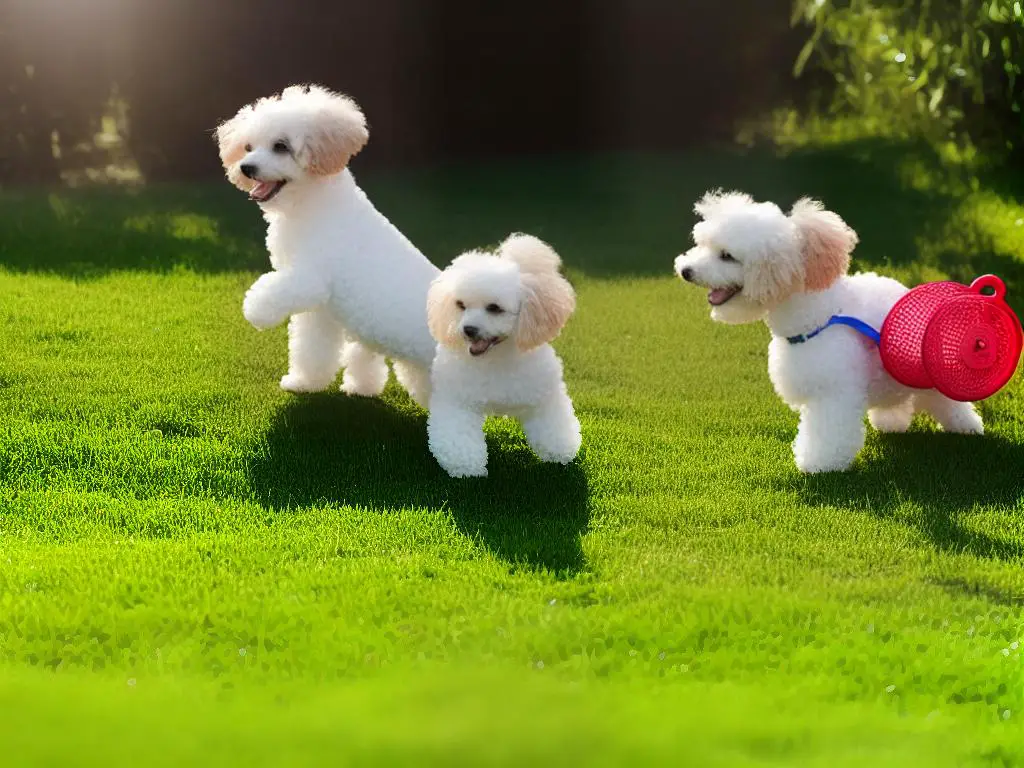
(366, 371)
(953, 416)
(415, 379)
(314, 341)
(894, 419)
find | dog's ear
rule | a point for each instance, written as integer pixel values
(337, 133)
(442, 314)
(772, 275)
(547, 302)
(230, 139)
(827, 243)
(716, 201)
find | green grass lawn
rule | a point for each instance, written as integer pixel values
(197, 568)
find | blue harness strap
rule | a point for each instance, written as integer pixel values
(852, 322)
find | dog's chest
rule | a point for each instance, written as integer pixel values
(835, 361)
(504, 389)
(509, 391)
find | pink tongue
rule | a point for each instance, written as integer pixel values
(719, 295)
(479, 346)
(262, 188)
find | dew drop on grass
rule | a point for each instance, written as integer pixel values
(890, 688)
(131, 682)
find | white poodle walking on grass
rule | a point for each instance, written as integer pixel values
(790, 271)
(352, 284)
(494, 316)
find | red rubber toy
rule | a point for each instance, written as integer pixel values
(964, 341)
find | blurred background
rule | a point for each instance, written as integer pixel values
(595, 123)
(137, 85)
(438, 79)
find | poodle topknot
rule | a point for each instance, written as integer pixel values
(758, 263)
(352, 284)
(493, 316)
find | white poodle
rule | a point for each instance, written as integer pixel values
(493, 316)
(790, 271)
(353, 285)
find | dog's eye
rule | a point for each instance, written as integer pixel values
(248, 147)
(460, 305)
(494, 309)
(726, 256)
(281, 147)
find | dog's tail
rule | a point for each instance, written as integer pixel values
(530, 253)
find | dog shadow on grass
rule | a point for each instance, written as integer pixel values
(935, 482)
(373, 453)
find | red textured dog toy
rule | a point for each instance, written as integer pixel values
(961, 340)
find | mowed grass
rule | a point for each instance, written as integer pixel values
(197, 568)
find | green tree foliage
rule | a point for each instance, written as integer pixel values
(941, 68)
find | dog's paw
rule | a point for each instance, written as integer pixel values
(814, 465)
(260, 314)
(965, 423)
(363, 387)
(462, 466)
(559, 458)
(466, 472)
(300, 385)
(557, 455)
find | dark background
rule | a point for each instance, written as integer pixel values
(439, 80)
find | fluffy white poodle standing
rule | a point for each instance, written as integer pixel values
(494, 316)
(353, 285)
(790, 271)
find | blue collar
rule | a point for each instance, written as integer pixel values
(852, 322)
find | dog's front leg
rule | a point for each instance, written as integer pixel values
(275, 296)
(456, 439)
(831, 433)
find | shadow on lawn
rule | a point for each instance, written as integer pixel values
(371, 453)
(945, 476)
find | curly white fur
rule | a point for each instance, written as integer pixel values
(790, 271)
(494, 316)
(353, 285)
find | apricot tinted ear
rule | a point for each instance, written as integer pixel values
(548, 301)
(339, 132)
(773, 276)
(827, 243)
(442, 314)
(230, 143)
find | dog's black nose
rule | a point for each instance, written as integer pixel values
(687, 274)
(471, 331)
(248, 170)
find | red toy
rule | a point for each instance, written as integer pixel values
(964, 341)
